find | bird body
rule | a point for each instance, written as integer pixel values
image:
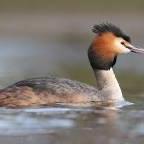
(108, 43)
(47, 91)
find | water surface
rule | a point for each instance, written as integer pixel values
(72, 125)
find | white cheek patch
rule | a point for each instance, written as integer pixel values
(120, 48)
(125, 50)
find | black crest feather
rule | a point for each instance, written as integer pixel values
(108, 27)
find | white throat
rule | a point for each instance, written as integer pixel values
(108, 85)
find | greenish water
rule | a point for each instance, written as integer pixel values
(72, 6)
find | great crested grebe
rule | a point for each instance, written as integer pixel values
(108, 43)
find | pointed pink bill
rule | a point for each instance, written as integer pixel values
(135, 50)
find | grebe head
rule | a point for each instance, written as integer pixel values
(108, 43)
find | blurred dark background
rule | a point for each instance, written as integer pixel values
(42, 37)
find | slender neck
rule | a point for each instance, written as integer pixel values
(108, 85)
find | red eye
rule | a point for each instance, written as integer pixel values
(123, 43)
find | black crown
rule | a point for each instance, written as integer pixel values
(108, 27)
